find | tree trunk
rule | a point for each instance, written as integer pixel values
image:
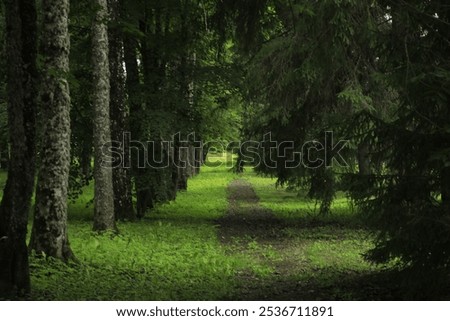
(445, 188)
(103, 191)
(123, 205)
(153, 182)
(21, 53)
(198, 158)
(191, 161)
(4, 155)
(187, 61)
(49, 233)
(135, 102)
(173, 156)
(85, 162)
(182, 167)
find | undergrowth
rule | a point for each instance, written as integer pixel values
(173, 254)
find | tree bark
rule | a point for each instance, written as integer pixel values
(198, 158)
(49, 234)
(445, 188)
(183, 153)
(143, 194)
(191, 161)
(103, 199)
(21, 54)
(151, 182)
(85, 161)
(187, 61)
(133, 87)
(123, 205)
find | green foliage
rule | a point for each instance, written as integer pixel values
(308, 77)
(406, 200)
(378, 73)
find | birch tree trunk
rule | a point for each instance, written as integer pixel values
(49, 233)
(103, 190)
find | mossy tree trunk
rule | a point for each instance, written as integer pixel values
(21, 53)
(103, 191)
(49, 234)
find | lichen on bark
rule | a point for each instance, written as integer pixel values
(103, 190)
(49, 234)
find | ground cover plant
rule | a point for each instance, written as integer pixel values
(195, 248)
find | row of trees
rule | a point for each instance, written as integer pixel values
(131, 72)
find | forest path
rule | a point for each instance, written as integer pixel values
(254, 231)
(245, 217)
(282, 256)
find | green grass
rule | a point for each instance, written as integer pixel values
(325, 250)
(294, 205)
(158, 261)
(173, 254)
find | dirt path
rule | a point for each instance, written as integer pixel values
(245, 217)
(255, 232)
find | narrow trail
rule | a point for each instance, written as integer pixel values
(245, 217)
(253, 230)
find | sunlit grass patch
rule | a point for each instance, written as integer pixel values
(147, 261)
(294, 205)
